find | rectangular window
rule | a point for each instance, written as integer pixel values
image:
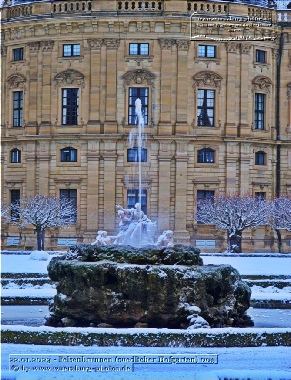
(260, 194)
(260, 105)
(15, 157)
(206, 51)
(18, 54)
(71, 50)
(133, 94)
(134, 197)
(134, 155)
(203, 194)
(261, 56)
(205, 108)
(17, 108)
(71, 195)
(139, 49)
(70, 106)
(68, 155)
(14, 200)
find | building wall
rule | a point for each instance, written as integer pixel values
(174, 73)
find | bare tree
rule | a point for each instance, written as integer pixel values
(44, 212)
(233, 214)
(279, 217)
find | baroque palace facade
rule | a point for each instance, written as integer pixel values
(214, 78)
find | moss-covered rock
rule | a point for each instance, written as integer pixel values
(124, 294)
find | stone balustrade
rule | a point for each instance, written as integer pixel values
(130, 6)
(284, 16)
(207, 7)
(71, 6)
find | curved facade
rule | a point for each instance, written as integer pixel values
(214, 79)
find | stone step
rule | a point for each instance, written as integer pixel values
(280, 284)
(23, 282)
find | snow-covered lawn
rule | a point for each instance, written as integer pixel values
(259, 363)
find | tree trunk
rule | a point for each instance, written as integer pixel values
(234, 243)
(40, 240)
(279, 239)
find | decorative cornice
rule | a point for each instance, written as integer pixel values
(262, 84)
(16, 81)
(183, 45)
(166, 43)
(139, 76)
(69, 77)
(95, 44)
(207, 78)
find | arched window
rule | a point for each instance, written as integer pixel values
(206, 155)
(15, 156)
(69, 155)
(260, 158)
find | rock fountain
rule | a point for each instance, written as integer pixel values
(129, 280)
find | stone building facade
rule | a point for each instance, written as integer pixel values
(215, 84)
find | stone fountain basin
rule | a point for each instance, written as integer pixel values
(150, 295)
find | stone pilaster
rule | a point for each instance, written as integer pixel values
(182, 87)
(94, 97)
(231, 109)
(33, 90)
(231, 168)
(44, 74)
(244, 124)
(164, 196)
(43, 157)
(111, 77)
(181, 234)
(165, 126)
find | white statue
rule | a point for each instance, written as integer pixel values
(166, 239)
(103, 239)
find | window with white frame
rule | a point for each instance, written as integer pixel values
(70, 106)
(260, 109)
(134, 93)
(206, 155)
(71, 50)
(138, 49)
(15, 156)
(69, 154)
(205, 108)
(137, 196)
(70, 195)
(206, 51)
(17, 108)
(137, 154)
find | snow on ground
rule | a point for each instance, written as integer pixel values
(249, 265)
(259, 363)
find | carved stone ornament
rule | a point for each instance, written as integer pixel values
(3, 51)
(289, 91)
(69, 77)
(207, 78)
(139, 76)
(245, 48)
(166, 43)
(232, 47)
(95, 44)
(262, 84)
(33, 46)
(47, 45)
(183, 44)
(16, 81)
(111, 43)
